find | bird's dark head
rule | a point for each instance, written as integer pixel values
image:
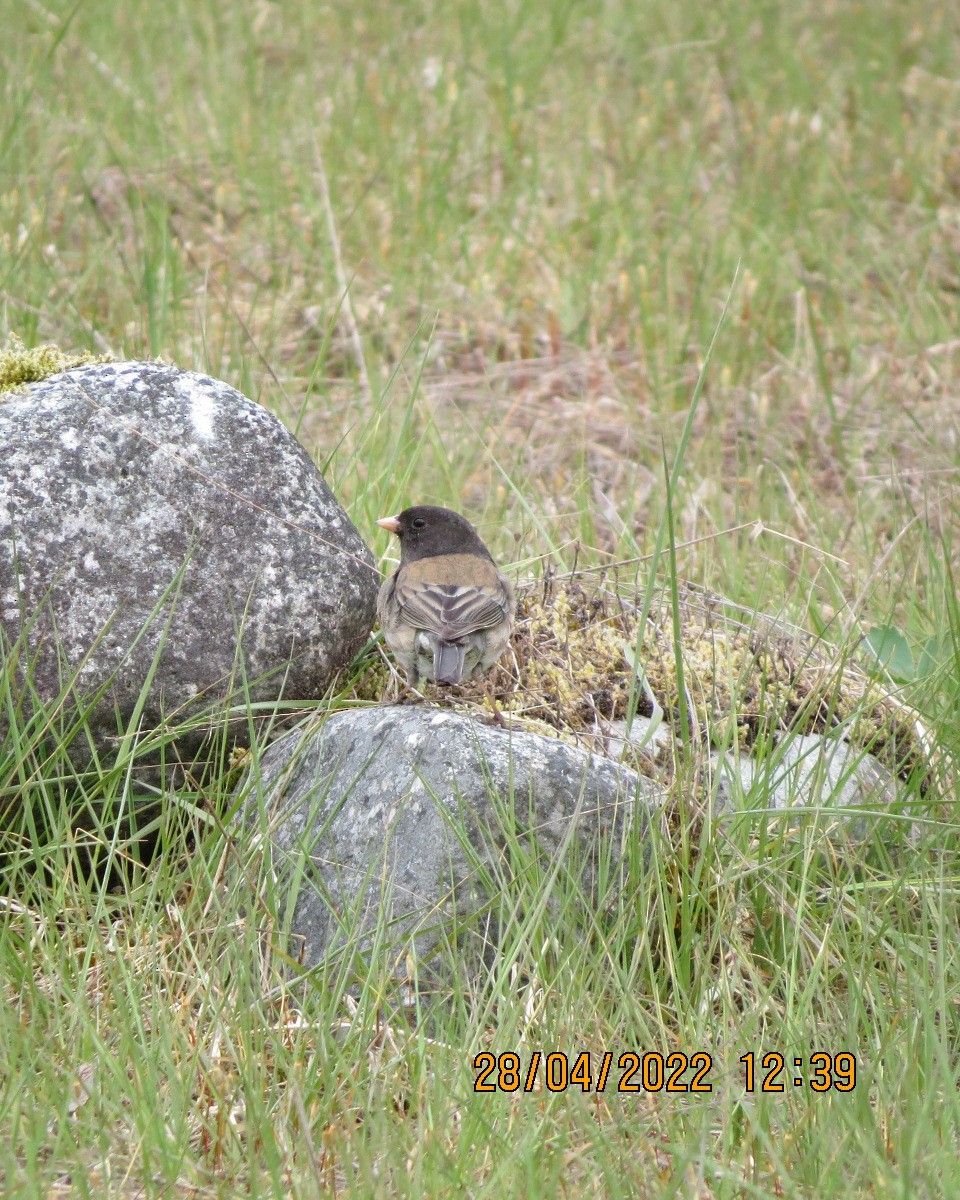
(426, 530)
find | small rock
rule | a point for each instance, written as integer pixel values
(822, 774)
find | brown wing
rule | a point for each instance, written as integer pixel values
(451, 612)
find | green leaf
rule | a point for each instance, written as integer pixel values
(892, 651)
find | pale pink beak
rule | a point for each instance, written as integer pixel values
(390, 523)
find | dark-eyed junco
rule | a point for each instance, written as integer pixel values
(447, 612)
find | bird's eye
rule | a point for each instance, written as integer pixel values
(418, 522)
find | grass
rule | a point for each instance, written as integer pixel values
(539, 212)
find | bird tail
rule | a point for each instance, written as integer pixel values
(447, 661)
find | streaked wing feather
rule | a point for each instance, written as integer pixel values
(451, 612)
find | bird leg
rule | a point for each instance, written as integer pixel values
(492, 700)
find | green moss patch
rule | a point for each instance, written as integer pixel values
(18, 365)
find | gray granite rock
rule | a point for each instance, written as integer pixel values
(394, 817)
(824, 775)
(142, 504)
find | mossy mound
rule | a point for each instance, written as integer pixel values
(744, 678)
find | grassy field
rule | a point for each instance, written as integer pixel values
(474, 254)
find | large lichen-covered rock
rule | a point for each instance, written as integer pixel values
(156, 522)
(386, 824)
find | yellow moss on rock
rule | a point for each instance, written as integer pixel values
(19, 365)
(572, 649)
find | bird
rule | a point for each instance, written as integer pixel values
(447, 612)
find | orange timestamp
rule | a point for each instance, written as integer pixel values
(634, 1072)
(652, 1071)
(821, 1072)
